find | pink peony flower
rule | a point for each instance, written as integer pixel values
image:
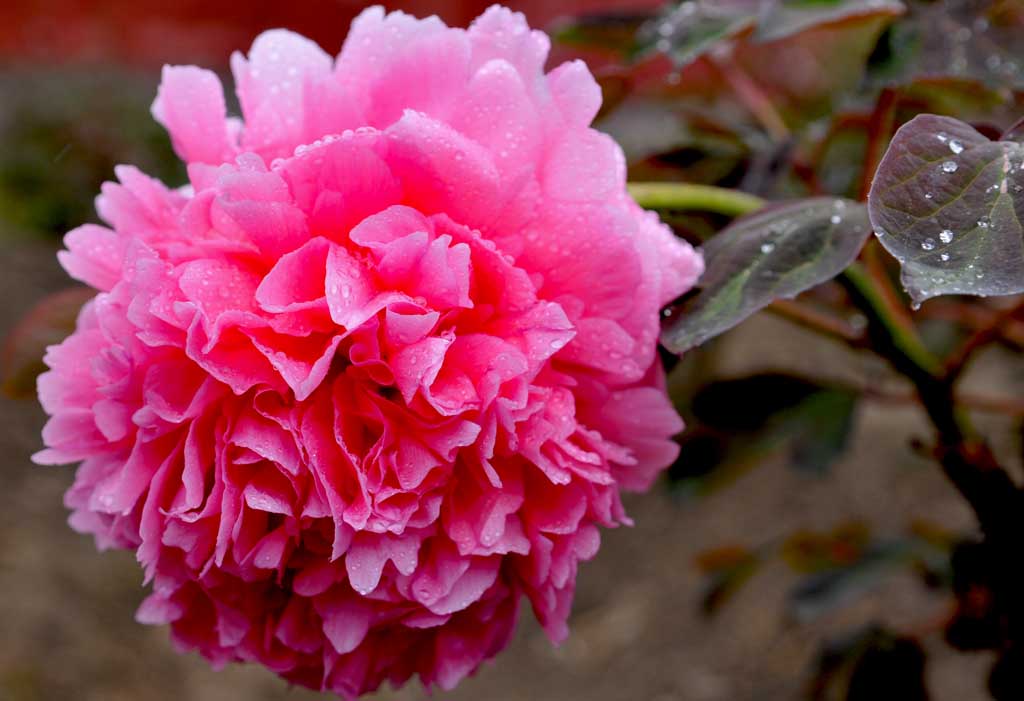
(383, 367)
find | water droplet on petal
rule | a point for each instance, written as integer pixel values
(949, 167)
(928, 244)
(767, 247)
(945, 236)
(955, 146)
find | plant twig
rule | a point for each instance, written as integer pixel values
(976, 317)
(874, 266)
(753, 97)
(966, 460)
(816, 320)
(991, 331)
(1005, 406)
(887, 317)
(880, 128)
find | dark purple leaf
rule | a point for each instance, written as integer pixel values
(947, 203)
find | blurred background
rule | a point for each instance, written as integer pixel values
(802, 545)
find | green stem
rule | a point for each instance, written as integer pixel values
(965, 458)
(907, 343)
(690, 197)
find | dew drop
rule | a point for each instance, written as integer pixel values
(955, 146)
(767, 247)
(945, 236)
(949, 167)
(928, 244)
(944, 257)
(835, 219)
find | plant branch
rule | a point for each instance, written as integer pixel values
(753, 97)
(815, 320)
(966, 460)
(1004, 406)
(874, 265)
(690, 197)
(981, 337)
(913, 358)
(976, 317)
(880, 128)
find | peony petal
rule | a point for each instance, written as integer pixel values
(190, 104)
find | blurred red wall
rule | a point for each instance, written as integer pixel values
(152, 32)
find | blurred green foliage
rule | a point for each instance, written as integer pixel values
(63, 131)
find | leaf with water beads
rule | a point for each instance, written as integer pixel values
(691, 29)
(772, 254)
(947, 202)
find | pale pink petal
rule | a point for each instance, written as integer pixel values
(190, 104)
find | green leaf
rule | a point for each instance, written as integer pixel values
(955, 39)
(738, 424)
(789, 17)
(964, 98)
(691, 29)
(727, 569)
(822, 592)
(947, 203)
(824, 423)
(608, 31)
(49, 322)
(776, 253)
(63, 131)
(839, 157)
(824, 63)
(748, 404)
